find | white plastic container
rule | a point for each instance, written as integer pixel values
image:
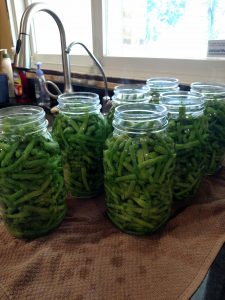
(6, 68)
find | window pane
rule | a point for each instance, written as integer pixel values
(162, 28)
(216, 20)
(76, 19)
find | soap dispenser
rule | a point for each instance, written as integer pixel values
(6, 67)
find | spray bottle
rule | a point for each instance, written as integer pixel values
(41, 94)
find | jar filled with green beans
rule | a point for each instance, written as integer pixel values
(80, 130)
(127, 94)
(214, 95)
(159, 85)
(188, 128)
(138, 165)
(32, 197)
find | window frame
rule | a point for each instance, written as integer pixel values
(209, 69)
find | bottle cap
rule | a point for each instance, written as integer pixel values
(5, 53)
(39, 72)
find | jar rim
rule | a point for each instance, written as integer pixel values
(131, 86)
(79, 103)
(137, 114)
(162, 80)
(32, 112)
(75, 95)
(192, 101)
(22, 120)
(149, 108)
(120, 101)
(208, 88)
(177, 98)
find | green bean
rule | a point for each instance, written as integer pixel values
(81, 140)
(155, 96)
(133, 203)
(31, 179)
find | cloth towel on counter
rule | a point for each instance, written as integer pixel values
(87, 258)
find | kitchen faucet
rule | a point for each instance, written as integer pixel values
(23, 58)
(22, 55)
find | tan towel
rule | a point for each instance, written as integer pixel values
(88, 258)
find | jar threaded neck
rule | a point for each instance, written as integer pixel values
(140, 118)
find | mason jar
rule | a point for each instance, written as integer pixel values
(214, 95)
(131, 91)
(188, 129)
(127, 94)
(138, 165)
(32, 195)
(80, 131)
(159, 85)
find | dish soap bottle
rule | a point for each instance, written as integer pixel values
(6, 67)
(41, 94)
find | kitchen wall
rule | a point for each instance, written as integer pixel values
(5, 32)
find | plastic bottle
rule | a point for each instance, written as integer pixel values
(6, 67)
(18, 88)
(41, 95)
(21, 85)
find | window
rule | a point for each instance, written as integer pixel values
(76, 18)
(134, 39)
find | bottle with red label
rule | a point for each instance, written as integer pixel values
(21, 88)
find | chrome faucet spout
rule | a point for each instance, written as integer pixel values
(22, 56)
(94, 59)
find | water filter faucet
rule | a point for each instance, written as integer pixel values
(106, 99)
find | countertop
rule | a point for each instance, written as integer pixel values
(87, 257)
(211, 288)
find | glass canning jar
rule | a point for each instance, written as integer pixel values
(127, 94)
(132, 90)
(31, 176)
(138, 166)
(214, 95)
(159, 85)
(80, 131)
(188, 128)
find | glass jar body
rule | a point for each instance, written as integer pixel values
(188, 129)
(215, 112)
(80, 130)
(32, 194)
(138, 164)
(159, 85)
